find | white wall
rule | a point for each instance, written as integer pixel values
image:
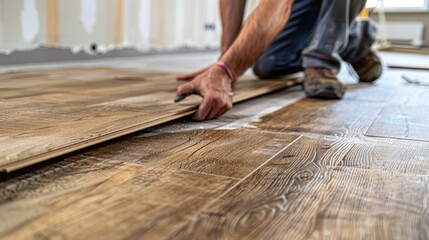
(12, 35)
(146, 23)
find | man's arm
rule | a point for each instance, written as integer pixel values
(231, 13)
(262, 28)
(214, 85)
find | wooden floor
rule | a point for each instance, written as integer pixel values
(351, 169)
(48, 113)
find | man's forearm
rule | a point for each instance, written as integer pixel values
(258, 33)
(232, 13)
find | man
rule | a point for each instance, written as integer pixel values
(282, 37)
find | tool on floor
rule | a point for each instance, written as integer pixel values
(181, 98)
(413, 81)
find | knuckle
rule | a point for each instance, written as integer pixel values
(213, 98)
(209, 98)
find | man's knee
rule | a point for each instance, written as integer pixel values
(262, 70)
(267, 70)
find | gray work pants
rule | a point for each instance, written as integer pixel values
(318, 34)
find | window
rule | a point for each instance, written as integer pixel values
(401, 5)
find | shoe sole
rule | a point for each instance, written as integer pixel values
(327, 91)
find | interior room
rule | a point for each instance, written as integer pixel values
(214, 119)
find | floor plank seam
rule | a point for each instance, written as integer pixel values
(395, 138)
(381, 170)
(259, 131)
(242, 180)
(207, 174)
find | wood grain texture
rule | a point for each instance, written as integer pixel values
(318, 189)
(355, 114)
(330, 118)
(281, 200)
(368, 93)
(234, 153)
(138, 187)
(390, 155)
(402, 122)
(373, 204)
(91, 199)
(306, 172)
(48, 113)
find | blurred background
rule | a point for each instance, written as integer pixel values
(79, 24)
(97, 26)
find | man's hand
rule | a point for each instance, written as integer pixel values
(215, 87)
(191, 76)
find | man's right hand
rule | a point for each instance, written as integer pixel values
(191, 76)
(215, 86)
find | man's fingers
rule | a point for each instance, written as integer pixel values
(186, 77)
(205, 108)
(190, 76)
(186, 89)
(216, 110)
(218, 107)
(224, 109)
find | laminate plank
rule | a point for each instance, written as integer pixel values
(90, 199)
(368, 93)
(149, 185)
(315, 190)
(47, 113)
(281, 200)
(326, 118)
(231, 153)
(241, 115)
(409, 95)
(16, 165)
(374, 204)
(402, 122)
(391, 155)
(350, 117)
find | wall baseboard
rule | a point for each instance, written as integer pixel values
(48, 54)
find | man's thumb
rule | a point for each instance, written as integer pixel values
(186, 89)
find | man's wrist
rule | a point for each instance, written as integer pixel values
(228, 72)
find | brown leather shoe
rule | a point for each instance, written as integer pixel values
(323, 83)
(369, 68)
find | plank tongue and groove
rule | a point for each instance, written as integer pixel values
(47, 113)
